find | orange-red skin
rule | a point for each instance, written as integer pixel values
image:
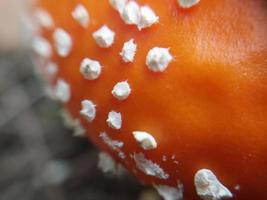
(209, 108)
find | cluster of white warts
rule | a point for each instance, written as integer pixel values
(157, 60)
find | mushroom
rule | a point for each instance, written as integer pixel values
(174, 90)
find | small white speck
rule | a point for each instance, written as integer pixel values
(209, 187)
(147, 17)
(158, 59)
(187, 3)
(145, 140)
(104, 36)
(128, 51)
(88, 110)
(51, 69)
(90, 69)
(44, 19)
(164, 158)
(148, 167)
(114, 120)
(112, 144)
(121, 90)
(173, 157)
(237, 187)
(81, 14)
(131, 13)
(63, 42)
(62, 91)
(170, 193)
(42, 47)
(118, 4)
(121, 155)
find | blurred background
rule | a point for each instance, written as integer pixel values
(39, 157)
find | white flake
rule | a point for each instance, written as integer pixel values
(208, 187)
(158, 59)
(187, 3)
(176, 162)
(145, 140)
(88, 110)
(118, 4)
(104, 36)
(44, 18)
(170, 193)
(81, 14)
(128, 51)
(131, 13)
(114, 120)
(63, 42)
(147, 17)
(74, 124)
(121, 155)
(78, 129)
(90, 69)
(106, 163)
(42, 47)
(115, 145)
(164, 158)
(112, 144)
(148, 167)
(51, 69)
(121, 90)
(62, 91)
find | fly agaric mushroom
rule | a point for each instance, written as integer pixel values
(174, 90)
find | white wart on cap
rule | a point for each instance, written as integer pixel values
(106, 163)
(115, 145)
(63, 42)
(128, 51)
(118, 4)
(158, 59)
(131, 13)
(145, 140)
(208, 187)
(170, 193)
(72, 123)
(104, 36)
(148, 167)
(51, 68)
(42, 47)
(187, 3)
(44, 18)
(81, 15)
(114, 120)
(121, 90)
(88, 110)
(90, 69)
(147, 17)
(62, 91)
